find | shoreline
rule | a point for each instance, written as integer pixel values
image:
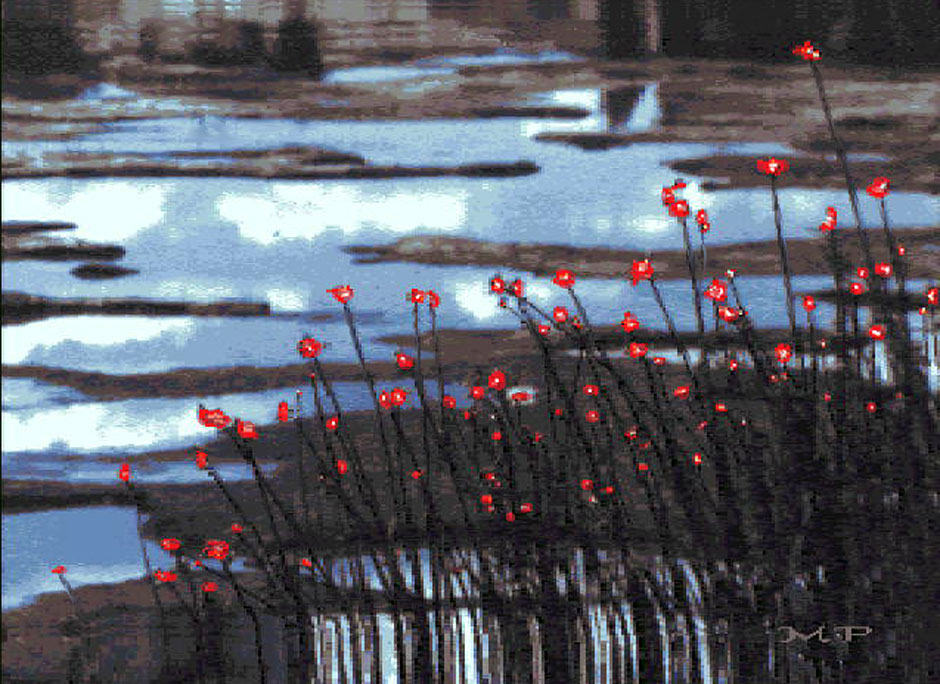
(806, 255)
(875, 111)
(20, 308)
(463, 354)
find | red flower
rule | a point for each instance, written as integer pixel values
(697, 458)
(721, 408)
(933, 296)
(202, 460)
(809, 303)
(544, 329)
(669, 196)
(772, 166)
(216, 548)
(342, 293)
(510, 516)
(58, 570)
(861, 272)
(489, 476)
(679, 209)
(497, 380)
(659, 361)
(638, 349)
(416, 296)
(384, 400)
(486, 499)
(404, 361)
(309, 348)
(877, 332)
(247, 430)
(477, 392)
(434, 300)
(283, 412)
(124, 474)
(341, 466)
(306, 562)
(399, 396)
(591, 390)
(681, 392)
(883, 269)
(857, 288)
(563, 278)
(237, 528)
(165, 576)
(701, 217)
(807, 52)
(497, 285)
(878, 188)
(642, 466)
(521, 396)
(518, 288)
(642, 270)
(525, 508)
(587, 485)
(871, 406)
(449, 402)
(332, 423)
(592, 416)
(559, 412)
(210, 586)
(560, 314)
(901, 250)
(728, 314)
(783, 352)
(215, 418)
(830, 222)
(717, 291)
(733, 365)
(704, 227)
(629, 322)
(416, 474)
(497, 435)
(170, 544)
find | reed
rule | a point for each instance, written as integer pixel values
(752, 489)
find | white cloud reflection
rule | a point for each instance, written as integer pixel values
(292, 210)
(105, 210)
(19, 341)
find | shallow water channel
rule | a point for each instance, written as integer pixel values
(206, 239)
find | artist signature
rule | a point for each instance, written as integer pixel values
(842, 633)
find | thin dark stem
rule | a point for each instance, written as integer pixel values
(782, 246)
(843, 161)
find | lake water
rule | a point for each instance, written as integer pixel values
(281, 242)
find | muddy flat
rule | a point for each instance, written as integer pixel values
(807, 256)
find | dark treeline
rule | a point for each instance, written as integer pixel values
(32, 47)
(41, 47)
(890, 33)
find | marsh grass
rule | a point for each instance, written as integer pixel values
(535, 541)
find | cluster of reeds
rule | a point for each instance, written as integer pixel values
(624, 520)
